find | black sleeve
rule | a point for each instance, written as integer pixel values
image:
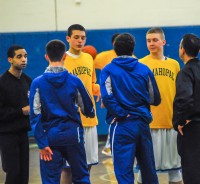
(183, 101)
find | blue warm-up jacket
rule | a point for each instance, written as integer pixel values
(55, 100)
(128, 87)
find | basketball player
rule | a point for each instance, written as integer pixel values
(81, 64)
(55, 98)
(129, 104)
(164, 137)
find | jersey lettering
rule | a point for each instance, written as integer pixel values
(81, 70)
(163, 72)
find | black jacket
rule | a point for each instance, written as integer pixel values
(13, 96)
(187, 99)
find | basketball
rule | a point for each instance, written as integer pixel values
(90, 50)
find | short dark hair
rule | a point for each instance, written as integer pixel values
(55, 49)
(75, 27)
(114, 36)
(12, 49)
(156, 30)
(124, 44)
(191, 44)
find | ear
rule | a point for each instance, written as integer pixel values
(183, 50)
(10, 60)
(46, 57)
(164, 42)
(64, 56)
(67, 39)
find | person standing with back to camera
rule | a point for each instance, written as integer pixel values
(56, 97)
(14, 118)
(163, 135)
(129, 106)
(101, 60)
(186, 116)
(81, 64)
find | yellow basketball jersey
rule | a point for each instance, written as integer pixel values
(83, 67)
(104, 58)
(165, 72)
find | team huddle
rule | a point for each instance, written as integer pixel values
(153, 109)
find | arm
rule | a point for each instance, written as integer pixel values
(183, 100)
(35, 116)
(108, 97)
(7, 112)
(84, 100)
(95, 87)
(153, 90)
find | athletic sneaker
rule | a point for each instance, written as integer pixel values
(106, 151)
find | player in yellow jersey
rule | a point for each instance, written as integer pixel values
(81, 64)
(105, 57)
(164, 137)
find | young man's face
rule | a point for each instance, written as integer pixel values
(77, 40)
(155, 42)
(19, 61)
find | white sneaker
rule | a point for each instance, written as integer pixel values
(106, 151)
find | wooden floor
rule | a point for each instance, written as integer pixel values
(100, 174)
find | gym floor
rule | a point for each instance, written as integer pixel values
(100, 174)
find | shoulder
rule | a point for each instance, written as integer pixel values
(75, 82)
(86, 60)
(145, 58)
(191, 65)
(2, 79)
(172, 60)
(2, 76)
(108, 67)
(174, 63)
(27, 77)
(86, 56)
(143, 67)
(5, 78)
(73, 78)
(37, 79)
(106, 53)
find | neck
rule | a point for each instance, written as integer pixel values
(15, 72)
(73, 51)
(186, 59)
(158, 56)
(56, 64)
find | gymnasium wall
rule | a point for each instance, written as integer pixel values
(57, 15)
(35, 42)
(33, 23)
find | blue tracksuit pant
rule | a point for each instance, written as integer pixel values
(75, 155)
(131, 138)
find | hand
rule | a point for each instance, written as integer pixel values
(180, 129)
(26, 110)
(188, 121)
(98, 98)
(46, 154)
(102, 105)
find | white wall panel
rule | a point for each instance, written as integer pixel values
(51, 15)
(27, 15)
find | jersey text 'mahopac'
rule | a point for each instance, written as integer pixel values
(81, 70)
(163, 72)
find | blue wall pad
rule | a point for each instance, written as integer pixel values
(34, 43)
